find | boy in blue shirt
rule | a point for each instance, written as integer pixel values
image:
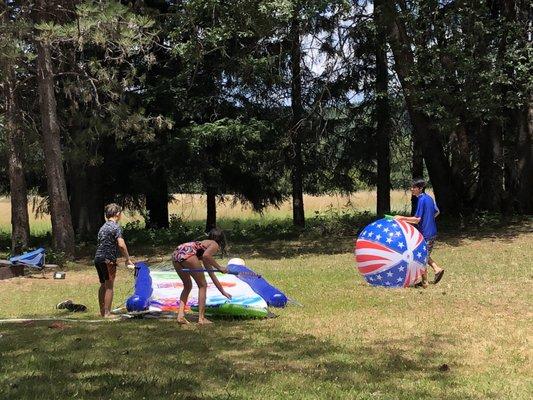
(424, 219)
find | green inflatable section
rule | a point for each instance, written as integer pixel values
(234, 310)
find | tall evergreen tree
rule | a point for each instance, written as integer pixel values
(297, 121)
(13, 130)
(383, 114)
(62, 230)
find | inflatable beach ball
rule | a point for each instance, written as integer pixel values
(391, 253)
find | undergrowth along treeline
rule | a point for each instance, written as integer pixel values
(331, 224)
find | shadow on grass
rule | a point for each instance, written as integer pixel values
(313, 241)
(278, 249)
(234, 360)
(450, 234)
(455, 233)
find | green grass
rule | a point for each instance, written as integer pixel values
(349, 341)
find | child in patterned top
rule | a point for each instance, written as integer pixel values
(110, 243)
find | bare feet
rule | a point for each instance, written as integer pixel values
(204, 321)
(422, 282)
(183, 321)
(425, 282)
(112, 317)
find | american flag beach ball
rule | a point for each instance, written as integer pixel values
(391, 253)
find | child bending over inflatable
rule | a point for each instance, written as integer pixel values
(190, 256)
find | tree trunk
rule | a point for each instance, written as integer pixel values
(491, 168)
(417, 161)
(382, 113)
(518, 129)
(460, 155)
(491, 160)
(462, 166)
(86, 199)
(298, 214)
(211, 221)
(417, 169)
(62, 230)
(20, 227)
(525, 160)
(157, 200)
(447, 195)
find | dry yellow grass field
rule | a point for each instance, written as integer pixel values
(192, 207)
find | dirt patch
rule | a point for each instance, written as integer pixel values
(27, 283)
(58, 325)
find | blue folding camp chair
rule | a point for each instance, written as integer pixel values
(32, 259)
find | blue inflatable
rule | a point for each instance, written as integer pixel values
(139, 301)
(136, 303)
(272, 295)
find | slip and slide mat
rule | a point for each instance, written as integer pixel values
(157, 291)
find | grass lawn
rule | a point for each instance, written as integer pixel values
(466, 338)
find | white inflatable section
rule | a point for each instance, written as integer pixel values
(236, 261)
(167, 287)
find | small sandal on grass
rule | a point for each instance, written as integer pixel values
(438, 277)
(64, 304)
(70, 306)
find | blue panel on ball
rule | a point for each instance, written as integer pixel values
(390, 253)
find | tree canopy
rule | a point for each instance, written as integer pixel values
(262, 99)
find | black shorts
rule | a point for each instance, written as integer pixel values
(106, 270)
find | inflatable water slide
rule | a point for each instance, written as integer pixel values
(159, 291)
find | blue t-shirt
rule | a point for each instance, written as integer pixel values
(426, 210)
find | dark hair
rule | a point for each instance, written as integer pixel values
(112, 210)
(419, 183)
(218, 236)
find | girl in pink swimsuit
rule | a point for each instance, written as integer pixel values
(190, 256)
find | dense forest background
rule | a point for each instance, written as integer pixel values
(131, 101)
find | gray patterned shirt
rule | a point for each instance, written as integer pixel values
(107, 248)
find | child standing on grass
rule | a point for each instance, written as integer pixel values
(110, 241)
(424, 219)
(191, 255)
